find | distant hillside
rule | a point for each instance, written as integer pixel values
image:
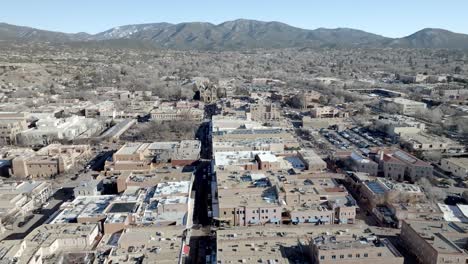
(432, 38)
(238, 34)
(18, 33)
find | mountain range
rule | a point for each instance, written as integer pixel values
(238, 34)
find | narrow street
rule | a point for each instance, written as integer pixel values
(201, 241)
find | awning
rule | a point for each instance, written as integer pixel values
(325, 219)
(298, 220)
(186, 250)
(274, 220)
(253, 221)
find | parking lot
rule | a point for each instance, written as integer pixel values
(354, 138)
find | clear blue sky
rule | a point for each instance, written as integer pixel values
(393, 18)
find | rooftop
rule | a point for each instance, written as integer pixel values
(154, 244)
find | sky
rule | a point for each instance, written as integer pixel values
(395, 18)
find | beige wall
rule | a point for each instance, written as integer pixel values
(455, 169)
(355, 256)
(416, 244)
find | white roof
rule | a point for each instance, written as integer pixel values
(268, 157)
(454, 213)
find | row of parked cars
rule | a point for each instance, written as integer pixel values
(371, 136)
(334, 139)
(353, 138)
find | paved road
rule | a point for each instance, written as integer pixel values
(201, 243)
(56, 200)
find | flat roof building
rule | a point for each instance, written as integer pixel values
(165, 245)
(147, 156)
(457, 166)
(354, 250)
(49, 161)
(47, 240)
(405, 106)
(436, 242)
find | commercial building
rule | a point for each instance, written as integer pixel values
(316, 200)
(399, 165)
(168, 203)
(91, 188)
(50, 130)
(165, 245)
(454, 213)
(146, 179)
(20, 198)
(7, 154)
(256, 198)
(454, 94)
(330, 249)
(105, 109)
(423, 211)
(241, 207)
(275, 145)
(262, 245)
(318, 244)
(84, 209)
(312, 161)
(309, 99)
(436, 242)
(246, 160)
(355, 161)
(398, 125)
(422, 142)
(264, 112)
(49, 161)
(327, 112)
(177, 114)
(11, 123)
(457, 166)
(382, 191)
(405, 106)
(147, 156)
(47, 241)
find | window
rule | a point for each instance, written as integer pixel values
(366, 255)
(274, 210)
(358, 255)
(341, 256)
(322, 257)
(379, 254)
(333, 256)
(350, 255)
